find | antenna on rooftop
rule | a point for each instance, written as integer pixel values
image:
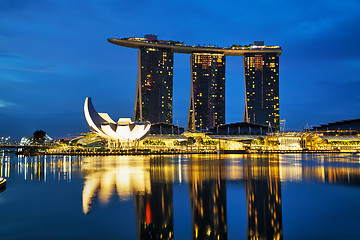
(269, 128)
(282, 125)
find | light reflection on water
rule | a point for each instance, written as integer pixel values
(148, 181)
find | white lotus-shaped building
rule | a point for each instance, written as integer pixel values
(123, 130)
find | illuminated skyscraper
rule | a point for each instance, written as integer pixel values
(262, 88)
(207, 96)
(154, 89)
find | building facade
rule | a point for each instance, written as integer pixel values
(154, 89)
(262, 89)
(207, 94)
(240, 128)
(350, 125)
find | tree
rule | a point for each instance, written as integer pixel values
(39, 136)
(191, 140)
(199, 140)
(260, 141)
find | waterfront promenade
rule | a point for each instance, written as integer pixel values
(38, 150)
(195, 143)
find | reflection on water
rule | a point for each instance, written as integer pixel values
(207, 191)
(263, 198)
(154, 209)
(340, 169)
(149, 181)
(105, 177)
(39, 168)
(4, 168)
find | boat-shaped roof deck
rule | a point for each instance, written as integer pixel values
(179, 47)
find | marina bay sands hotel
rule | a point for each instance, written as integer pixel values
(154, 90)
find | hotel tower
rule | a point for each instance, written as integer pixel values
(262, 89)
(207, 95)
(154, 89)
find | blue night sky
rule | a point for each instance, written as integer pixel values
(54, 54)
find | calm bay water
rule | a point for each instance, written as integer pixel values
(283, 196)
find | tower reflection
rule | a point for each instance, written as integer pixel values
(263, 197)
(207, 191)
(154, 210)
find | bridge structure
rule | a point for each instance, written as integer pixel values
(23, 149)
(4, 146)
(154, 88)
(9, 146)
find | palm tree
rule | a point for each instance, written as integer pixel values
(39, 136)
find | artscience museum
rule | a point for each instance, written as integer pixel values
(122, 130)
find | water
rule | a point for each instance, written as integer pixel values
(182, 197)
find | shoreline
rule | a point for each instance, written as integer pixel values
(145, 153)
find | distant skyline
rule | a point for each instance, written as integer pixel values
(54, 54)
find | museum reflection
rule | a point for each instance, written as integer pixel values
(149, 180)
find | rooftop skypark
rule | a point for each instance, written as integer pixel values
(181, 47)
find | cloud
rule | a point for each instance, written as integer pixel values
(5, 104)
(6, 54)
(12, 63)
(26, 69)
